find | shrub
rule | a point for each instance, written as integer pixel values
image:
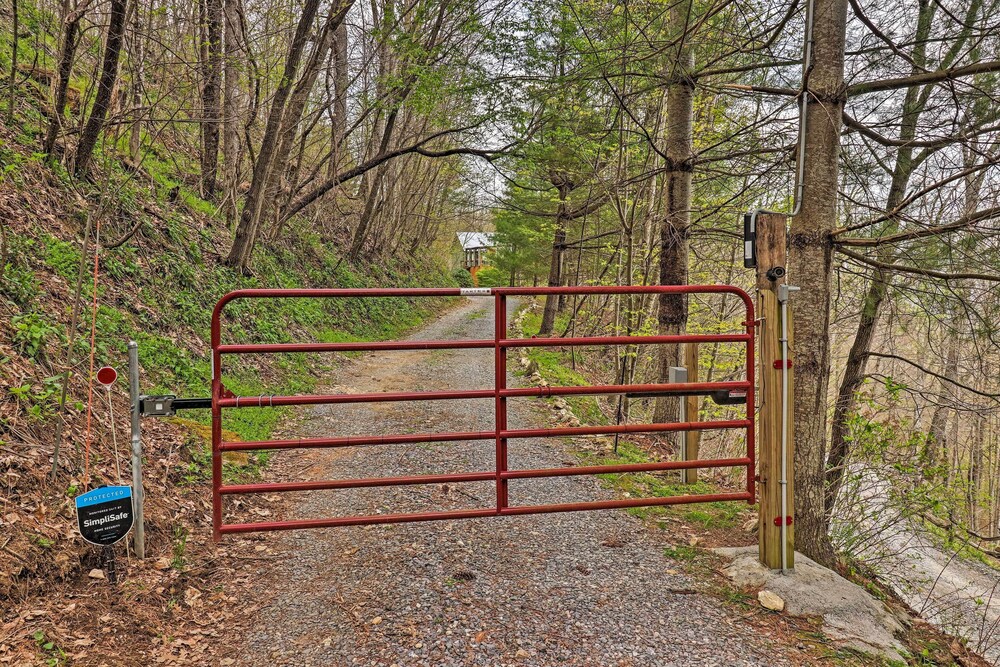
(462, 277)
(490, 276)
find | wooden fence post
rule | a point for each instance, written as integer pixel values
(693, 403)
(771, 255)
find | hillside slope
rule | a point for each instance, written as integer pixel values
(158, 277)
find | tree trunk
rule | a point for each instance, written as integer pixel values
(231, 151)
(105, 87)
(340, 84)
(811, 263)
(210, 97)
(679, 149)
(857, 360)
(248, 227)
(67, 53)
(13, 63)
(561, 181)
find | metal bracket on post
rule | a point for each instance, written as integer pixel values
(138, 495)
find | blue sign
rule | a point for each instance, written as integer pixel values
(105, 514)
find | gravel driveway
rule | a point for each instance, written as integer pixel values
(585, 588)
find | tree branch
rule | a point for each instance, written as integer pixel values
(995, 397)
(923, 78)
(937, 230)
(929, 273)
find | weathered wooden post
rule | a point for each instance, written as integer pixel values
(692, 439)
(776, 480)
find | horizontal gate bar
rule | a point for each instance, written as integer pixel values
(355, 441)
(270, 348)
(682, 388)
(625, 468)
(415, 438)
(625, 502)
(323, 485)
(378, 346)
(376, 519)
(623, 428)
(623, 340)
(368, 520)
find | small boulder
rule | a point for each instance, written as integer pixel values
(771, 600)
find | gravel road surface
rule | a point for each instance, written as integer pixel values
(585, 588)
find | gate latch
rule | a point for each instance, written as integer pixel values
(157, 406)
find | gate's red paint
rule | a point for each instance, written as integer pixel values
(223, 399)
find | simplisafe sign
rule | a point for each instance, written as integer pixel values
(105, 515)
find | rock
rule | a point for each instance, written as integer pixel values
(850, 615)
(376, 620)
(521, 654)
(771, 600)
(96, 574)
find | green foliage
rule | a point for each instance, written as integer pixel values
(38, 401)
(54, 655)
(490, 276)
(33, 333)
(62, 257)
(462, 277)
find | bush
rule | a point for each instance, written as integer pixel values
(490, 276)
(462, 277)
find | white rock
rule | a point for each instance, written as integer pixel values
(96, 574)
(771, 600)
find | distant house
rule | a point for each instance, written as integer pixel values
(475, 250)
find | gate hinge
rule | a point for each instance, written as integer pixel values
(777, 521)
(778, 363)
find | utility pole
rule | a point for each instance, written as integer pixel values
(776, 438)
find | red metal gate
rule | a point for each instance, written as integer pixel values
(222, 399)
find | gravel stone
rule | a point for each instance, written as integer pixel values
(580, 588)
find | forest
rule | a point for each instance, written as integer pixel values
(333, 142)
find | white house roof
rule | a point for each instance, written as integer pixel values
(473, 240)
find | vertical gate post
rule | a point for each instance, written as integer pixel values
(138, 496)
(773, 523)
(692, 439)
(500, 401)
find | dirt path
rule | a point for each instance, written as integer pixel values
(590, 588)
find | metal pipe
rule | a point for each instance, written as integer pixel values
(803, 122)
(138, 496)
(783, 292)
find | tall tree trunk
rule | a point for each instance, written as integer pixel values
(562, 183)
(137, 51)
(67, 53)
(231, 151)
(105, 87)
(293, 117)
(248, 227)
(15, 38)
(679, 150)
(340, 84)
(210, 97)
(811, 264)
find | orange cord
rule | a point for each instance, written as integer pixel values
(90, 377)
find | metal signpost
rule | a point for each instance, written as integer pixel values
(133, 385)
